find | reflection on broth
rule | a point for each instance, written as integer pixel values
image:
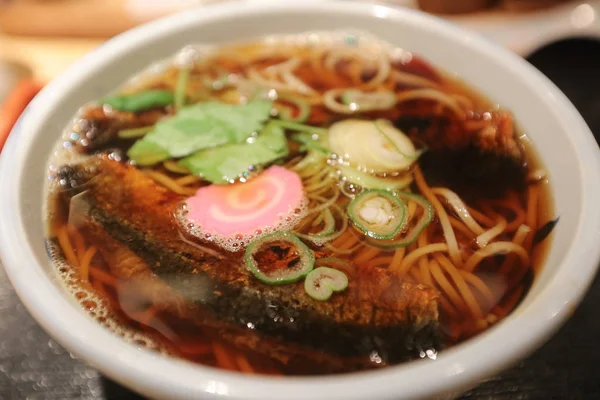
(312, 204)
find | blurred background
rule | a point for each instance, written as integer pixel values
(40, 38)
(44, 36)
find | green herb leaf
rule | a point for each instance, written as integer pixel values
(146, 153)
(181, 86)
(206, 125)
(311, 141)
(139, 101)
(226, 163)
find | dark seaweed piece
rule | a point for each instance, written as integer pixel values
(545, 231)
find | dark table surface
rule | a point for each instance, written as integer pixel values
(33, 366)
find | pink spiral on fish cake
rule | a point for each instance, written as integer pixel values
(243, 208)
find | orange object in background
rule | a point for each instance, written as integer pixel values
(68, 18)
(14, 105)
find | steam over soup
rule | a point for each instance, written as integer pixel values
(310, 204)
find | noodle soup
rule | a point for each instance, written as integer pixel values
(312, 204)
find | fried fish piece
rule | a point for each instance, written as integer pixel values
(481, 153)
(379, 313)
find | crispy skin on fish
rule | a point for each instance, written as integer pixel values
(378, 312)
(139, 285)
(97, 130)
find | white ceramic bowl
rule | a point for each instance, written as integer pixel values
(559, 133)
(527, 32)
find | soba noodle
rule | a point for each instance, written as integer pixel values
(477, 252)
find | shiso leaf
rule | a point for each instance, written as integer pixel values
(202, 126)
(227, 163)
(146, 153)
(139, 101)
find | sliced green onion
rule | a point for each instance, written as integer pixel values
(413, 156)
(368, 101)
(135, 133)
(140, 101)
(368, 181)
(295, 126)
(354, 100)
(346, 252)
(361, 144)
(377, 213)
(328, 226)
(411, 235)
(181, 87)
(312, 141)
(301, 265)
(311, 160)
(336, 263)
(329, 222)
(318, 220)
(329, 231)
(321, 282)
(302, 106)
(259, 93)
(220, 83)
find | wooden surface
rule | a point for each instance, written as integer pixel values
(79, 18)
(45, 57)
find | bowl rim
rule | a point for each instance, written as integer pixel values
(163, 377)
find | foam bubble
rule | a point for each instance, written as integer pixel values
(100, 311)
(236, 242)
(65, 155)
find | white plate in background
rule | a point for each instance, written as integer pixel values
(522, 33)
(526, 32)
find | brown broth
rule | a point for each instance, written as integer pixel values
(495, 289)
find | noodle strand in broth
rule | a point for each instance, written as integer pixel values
(281, 207)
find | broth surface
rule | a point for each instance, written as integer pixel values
(359, 139)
